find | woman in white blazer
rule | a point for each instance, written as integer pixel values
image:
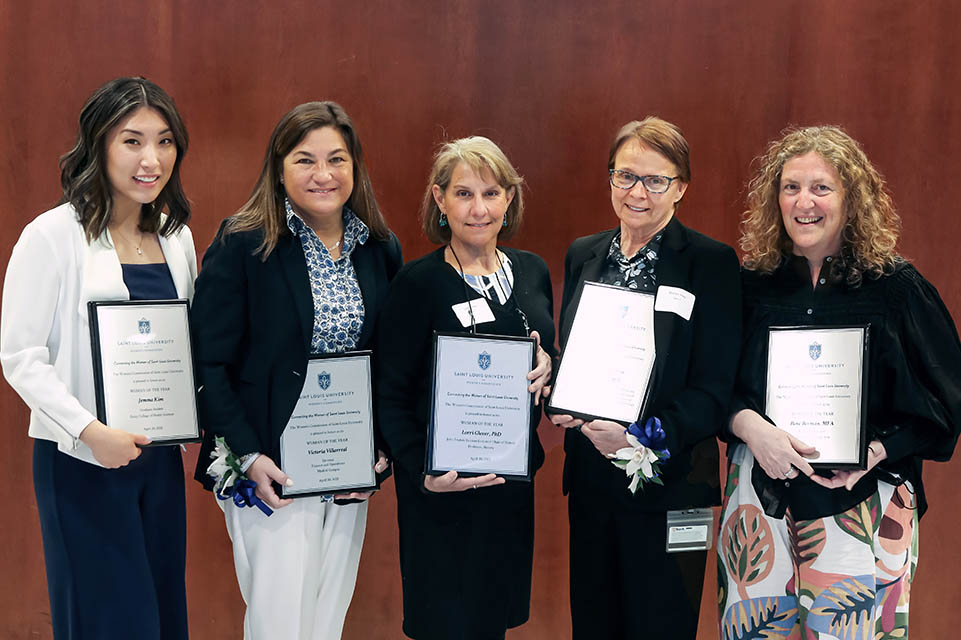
(112, 513)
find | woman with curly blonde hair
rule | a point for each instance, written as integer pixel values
(831, 553)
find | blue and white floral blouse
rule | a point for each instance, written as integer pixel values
(338, 303)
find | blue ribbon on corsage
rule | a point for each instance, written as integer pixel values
(641, 460)
(652, 436)
(243, 494)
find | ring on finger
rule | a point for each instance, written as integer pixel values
(475, 486)
(791, 473)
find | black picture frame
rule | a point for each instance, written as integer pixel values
(861, 462)
(377, 478)
(94, 311)
(430, 467)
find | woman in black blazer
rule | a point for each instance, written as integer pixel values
(623, 583)
(301, 269)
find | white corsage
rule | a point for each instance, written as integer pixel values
(641, 461)
(231, 483)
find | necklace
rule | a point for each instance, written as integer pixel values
(512, 298)
(135, 245)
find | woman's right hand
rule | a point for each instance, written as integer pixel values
(264, 472)
(450, 482)
(778, 452)
(113, 448)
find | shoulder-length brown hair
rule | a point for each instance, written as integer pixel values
(83, 169)
(481, 155)
(870, 236)
(265, 209)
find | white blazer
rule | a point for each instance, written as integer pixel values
(44, 332)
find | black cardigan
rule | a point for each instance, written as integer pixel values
(252, 322)
(419, 303)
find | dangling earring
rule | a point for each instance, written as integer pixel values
(443, 219)
(504, 223)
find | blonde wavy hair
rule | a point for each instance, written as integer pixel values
(870, 236)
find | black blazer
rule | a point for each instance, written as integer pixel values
(252, 322)
(693, 372)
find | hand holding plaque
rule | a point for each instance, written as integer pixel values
(606, 366)
(327, 447)
(816, 390)
(481, 407)
(143, 369)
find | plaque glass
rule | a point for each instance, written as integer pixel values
(143, 368)
(605, 370)
(816, 390)
(481, 408)
(327, 446)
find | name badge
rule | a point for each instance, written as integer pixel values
(481, 310)
(675, 300)
(690, 530)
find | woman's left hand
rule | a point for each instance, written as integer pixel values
(541, 373)
(848, 479)
(379, 467)
(607, 436)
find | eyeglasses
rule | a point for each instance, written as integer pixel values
(654, 184)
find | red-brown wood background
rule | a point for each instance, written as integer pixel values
(550, 81)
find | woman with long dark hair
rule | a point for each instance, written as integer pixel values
(301, 269)
(112, 513)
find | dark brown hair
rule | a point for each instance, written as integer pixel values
(83, 169)
(265, 208)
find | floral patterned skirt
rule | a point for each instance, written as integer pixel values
(846, 576)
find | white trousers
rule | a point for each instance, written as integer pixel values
(297, 568)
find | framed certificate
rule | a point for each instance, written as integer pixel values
(143, 368)
(816, 390)
(605, 370)
(327, 446)
(480, 417)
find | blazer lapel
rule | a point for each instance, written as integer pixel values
(290, 253)
(173, 252)
(671, 271)
(102, 274)
(364, 268)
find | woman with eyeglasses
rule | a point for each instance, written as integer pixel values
(466, 543)
(623, 583)
(830, 552)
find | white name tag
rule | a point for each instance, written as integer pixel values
(480, 308)
(690, 530)
(687, 534)
(675, 300)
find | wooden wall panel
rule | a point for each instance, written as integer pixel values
(550, 81)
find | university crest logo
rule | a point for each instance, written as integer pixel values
(814, 350)
(143, 325)
(484, 360)
(323, 379)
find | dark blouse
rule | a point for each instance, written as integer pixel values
(149, 281)
(914, 378)
(636, 272)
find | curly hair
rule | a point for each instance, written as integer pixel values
(870, 236)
